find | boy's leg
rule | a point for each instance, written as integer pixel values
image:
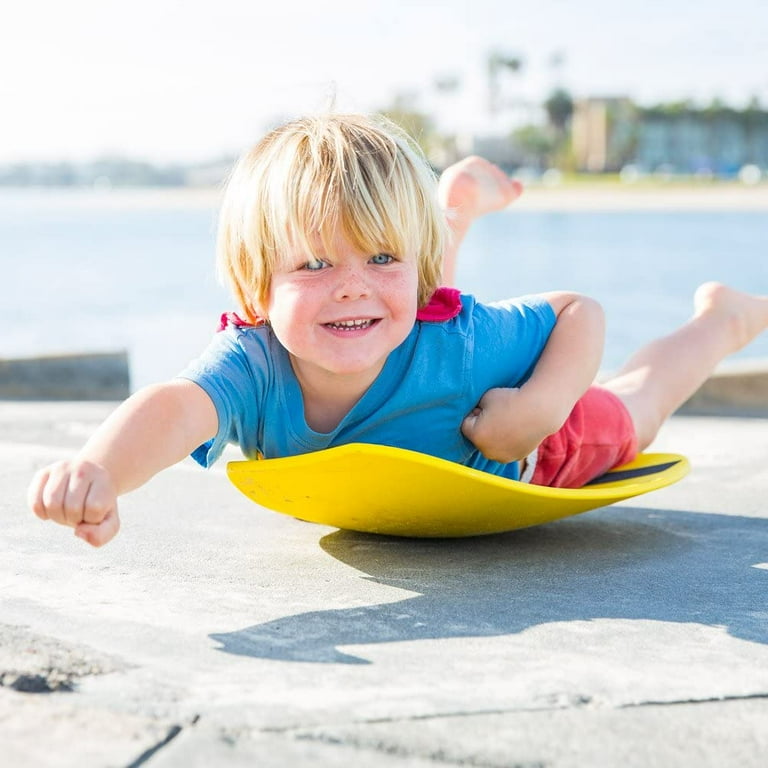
(467, 190)
(664, 374)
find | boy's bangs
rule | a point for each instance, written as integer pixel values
(313, 221)
(371, 231)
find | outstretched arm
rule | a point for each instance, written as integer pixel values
(150, 431)
(508, 423)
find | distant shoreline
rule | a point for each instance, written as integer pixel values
(566, 197)
(618, 197)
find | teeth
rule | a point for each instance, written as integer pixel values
(350, 325)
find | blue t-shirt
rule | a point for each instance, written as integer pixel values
(418, 401)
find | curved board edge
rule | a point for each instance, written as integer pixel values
(396, 492)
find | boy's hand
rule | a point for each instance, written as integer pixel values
(79, 494)
(505, 426)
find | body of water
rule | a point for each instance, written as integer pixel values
(90, 276)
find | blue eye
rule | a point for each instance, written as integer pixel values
(315, 265)
(382, 258)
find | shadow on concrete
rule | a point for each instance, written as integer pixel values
(621, 563)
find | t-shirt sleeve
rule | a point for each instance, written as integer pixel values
(233, 371)
(509, 339)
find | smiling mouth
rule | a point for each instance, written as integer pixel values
(351, 325)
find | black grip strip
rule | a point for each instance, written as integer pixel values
(629, 474)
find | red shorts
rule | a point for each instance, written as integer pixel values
(597, 436)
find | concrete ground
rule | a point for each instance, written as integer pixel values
(214, 633)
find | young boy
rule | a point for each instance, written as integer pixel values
(332, 239)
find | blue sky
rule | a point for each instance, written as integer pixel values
(172, 80)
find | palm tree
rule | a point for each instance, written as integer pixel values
(499, 63)
(559, 107)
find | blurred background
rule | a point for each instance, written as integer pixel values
(640, 128)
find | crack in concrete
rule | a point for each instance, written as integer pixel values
(708, 700)
(573, 702)
(564, 702)
(172, 733)
(438, 756)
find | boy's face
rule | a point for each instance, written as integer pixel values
(342, 315)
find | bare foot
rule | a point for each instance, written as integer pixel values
(474, 186)
(745, 313)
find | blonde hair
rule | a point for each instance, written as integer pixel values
(355, 175)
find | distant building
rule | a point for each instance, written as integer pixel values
(716, 141)
(608, 134)
(603, 133)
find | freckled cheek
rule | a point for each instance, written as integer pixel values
(290, 314)
(290, 299)
(403, 292)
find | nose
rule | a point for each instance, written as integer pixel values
(351, 283)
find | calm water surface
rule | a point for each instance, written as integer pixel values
(80, 277)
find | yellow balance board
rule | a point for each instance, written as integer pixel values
(396, 492)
